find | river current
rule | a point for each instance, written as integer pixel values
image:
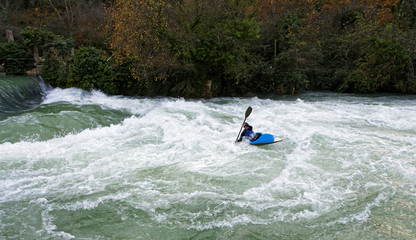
(76, 164)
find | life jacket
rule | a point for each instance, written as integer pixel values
(250, 135)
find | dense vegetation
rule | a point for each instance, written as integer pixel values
(201, 48)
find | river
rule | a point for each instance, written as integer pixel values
(86, 165)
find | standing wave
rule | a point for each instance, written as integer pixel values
(62, 112)
(20, 93)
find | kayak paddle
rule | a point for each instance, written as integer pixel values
(248, 112)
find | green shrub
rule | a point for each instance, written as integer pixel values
(289, 72)
(358, 82)
(37, 37)
(124, 81)
(58, 57)
(90, 71)
(16, 59)
(55, 71)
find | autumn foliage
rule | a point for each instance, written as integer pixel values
(134, 29)
(203, 48)
(301, 44)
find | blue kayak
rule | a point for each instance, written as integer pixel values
(264, 139)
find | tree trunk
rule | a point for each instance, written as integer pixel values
(36, 55)
(9, 35)
(207, 89)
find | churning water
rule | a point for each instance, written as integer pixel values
(85, 165)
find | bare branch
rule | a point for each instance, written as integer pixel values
(54, 8)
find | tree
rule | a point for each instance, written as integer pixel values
(405, 14)
(380, 10)
(216, 40)
(34, 38)
(211, 37)
(16, 58)
(381, 59)
(58, 58)
(90, 71)
(135, 30)
(80, 20)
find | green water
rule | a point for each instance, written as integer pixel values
(85, 165)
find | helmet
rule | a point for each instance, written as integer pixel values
(247, 125)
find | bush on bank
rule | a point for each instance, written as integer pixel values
(15, 58)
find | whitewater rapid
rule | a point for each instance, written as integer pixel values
(89, 165)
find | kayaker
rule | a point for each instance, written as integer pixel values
(248, 133)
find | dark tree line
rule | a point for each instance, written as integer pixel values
(197, 48)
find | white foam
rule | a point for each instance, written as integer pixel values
(177, 153)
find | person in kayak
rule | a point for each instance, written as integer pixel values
(248, 133)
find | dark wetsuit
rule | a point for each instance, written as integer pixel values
(249, 134)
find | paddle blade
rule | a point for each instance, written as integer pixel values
(248, 111)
